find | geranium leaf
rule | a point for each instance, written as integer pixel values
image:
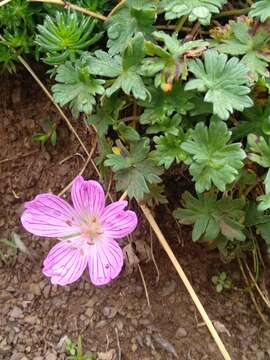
(224, 82)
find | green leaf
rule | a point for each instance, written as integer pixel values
(212, 217)
(250, 40)
(107, 114)
(214, 161)
(134, 169)
(130, 80)
(172, 59)
(168, 149)
(200, 10)
(264, 202)
(103, 64)
(155, 196)
(260, 9)
(127, 132)
(136, 16)
(257, 121)
(164, 105)
(261, 155)
(224, 81)
(77, 88)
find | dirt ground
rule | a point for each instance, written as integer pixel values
(115, 319)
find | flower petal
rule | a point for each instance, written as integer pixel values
(87, 196)
(65, 263)
(49, 215)
(105, 261)
(116, 222)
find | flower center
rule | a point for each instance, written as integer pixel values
(91, 230)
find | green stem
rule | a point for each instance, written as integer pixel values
(234, 12)
(180, 23)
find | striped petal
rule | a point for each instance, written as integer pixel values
(65, 263)
(117, 222)
(87, 196)
(49, 215)
(105, 261)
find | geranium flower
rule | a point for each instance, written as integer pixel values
(87, 232)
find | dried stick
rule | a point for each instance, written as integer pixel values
(145, 287)
(185, 280)
(83, 168)
(4, 2)
(69, 5)
(118, 6)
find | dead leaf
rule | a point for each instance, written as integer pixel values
(164, 344)
(131, 259)
(142, 250)
(108, 355)
(221, 328)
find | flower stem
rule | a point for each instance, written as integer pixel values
(234, 12)
(72, 6)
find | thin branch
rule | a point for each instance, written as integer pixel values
(19, 156)
(69, 5)
(145, 287)
(83, 168)
(4, 2)
(118, 6)
(234, 12)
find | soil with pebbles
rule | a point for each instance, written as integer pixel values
(114, 321)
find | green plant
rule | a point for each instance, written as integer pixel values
(221, 282)
(49, 132)
(223, 80)
(260, 9)
(244, 37)
(200, 10)
(75, 350)
(64, 36)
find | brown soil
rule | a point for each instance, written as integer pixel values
(35, 316)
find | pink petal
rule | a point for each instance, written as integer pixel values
(105, 261)
(87, 196)
(116, 222)
(65, 263)
(49, 215)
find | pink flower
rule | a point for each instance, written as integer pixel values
(87, 232)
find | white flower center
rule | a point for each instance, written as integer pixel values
(91, 229)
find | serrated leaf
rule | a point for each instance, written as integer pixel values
(127, 132)
(200, 10)
(171, 59)
(214, 161)
(261, 155)
(163, 105)
(260, 9)
(251, 41)
(77, 88)
(135, 170)
(257, 121)
(224, 82)
(130, 80)
(107, 114)
(264, 202)
(133, 17)
(168, 149)
(103, 64)
(212, 217)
